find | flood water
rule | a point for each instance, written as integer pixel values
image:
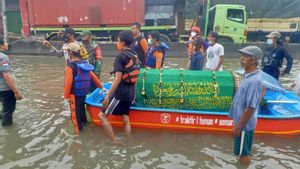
(41, 137)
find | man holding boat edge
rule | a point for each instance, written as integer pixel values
(122, 92)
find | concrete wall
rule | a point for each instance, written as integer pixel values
(33, 47)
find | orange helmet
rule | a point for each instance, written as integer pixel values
(196, 29)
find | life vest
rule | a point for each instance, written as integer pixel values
(162, 47)
(132, 69)
(81, 77)
(190, 48)
(137, 47)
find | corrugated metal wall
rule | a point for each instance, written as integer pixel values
(85, 12)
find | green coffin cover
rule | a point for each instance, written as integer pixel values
(185, 89)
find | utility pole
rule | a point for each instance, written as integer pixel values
(3, 5)
(207, 7)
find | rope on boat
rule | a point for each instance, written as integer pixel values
(181, 86)
(216, 85)
(143, 93)
(160, 85)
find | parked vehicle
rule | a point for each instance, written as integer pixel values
(106, 18)
(289, 28)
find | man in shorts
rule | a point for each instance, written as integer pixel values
(122, 92)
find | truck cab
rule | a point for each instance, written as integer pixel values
(230, 21)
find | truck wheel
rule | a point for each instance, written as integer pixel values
(164, 38)
(224, 40)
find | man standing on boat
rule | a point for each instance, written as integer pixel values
(244, 108)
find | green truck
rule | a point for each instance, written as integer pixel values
(230, 21)
(166, 16)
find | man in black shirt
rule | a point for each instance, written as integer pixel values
(273, 56)
(122, 92)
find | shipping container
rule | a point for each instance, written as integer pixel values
(106, 18)
(83, 13)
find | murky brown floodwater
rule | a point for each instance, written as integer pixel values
(39, 137)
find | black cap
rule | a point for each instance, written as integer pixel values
(69, 31)
(214, 34)
(126, 37)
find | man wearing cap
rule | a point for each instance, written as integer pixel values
(78, 77)
(215, 53)
(94, 53)
(245, 104)
(195, 33)
(68, 36)
(273, 56)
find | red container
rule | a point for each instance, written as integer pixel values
(85, 13)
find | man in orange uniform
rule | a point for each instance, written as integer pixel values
(157, 51)
(195, 34)
(139, 44)
(78, 77)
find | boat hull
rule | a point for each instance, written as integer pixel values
(181, 120)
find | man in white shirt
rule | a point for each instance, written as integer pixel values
(215, 53)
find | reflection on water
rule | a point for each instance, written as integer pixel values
(40, 137)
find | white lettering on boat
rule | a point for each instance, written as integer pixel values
(203, 121)
(186, 120)
(208, 122)
(225, 122)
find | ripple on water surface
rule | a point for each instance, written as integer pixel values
(41, 136)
